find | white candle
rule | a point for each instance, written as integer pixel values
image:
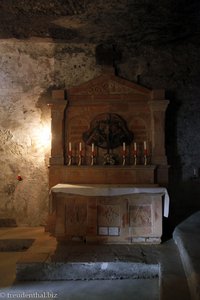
(70, 146)
(80, 147)
(92, 147)
(145, 145)
(135, 146)
(124, 146)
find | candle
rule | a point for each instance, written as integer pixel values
(70, 146)
(145, 148)
(80, 147)
(124, 146)
(92, 147)
(135, 148)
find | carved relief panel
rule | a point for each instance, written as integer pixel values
(76, 215)
(108, 215)
(140, 217)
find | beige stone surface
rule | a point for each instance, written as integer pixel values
(28, 70)
(108, 219)
(140, 175)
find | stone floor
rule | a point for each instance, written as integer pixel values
(143, 289)
(159, 269)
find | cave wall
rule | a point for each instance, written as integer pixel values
(28, 72)
(174, 67)
(30, 69)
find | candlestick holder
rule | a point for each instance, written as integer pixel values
(124, 160)
(92, 159)
(145, 159)
(69, 160)
(80, 159)
(135, 159)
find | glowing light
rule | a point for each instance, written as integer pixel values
(44, 136)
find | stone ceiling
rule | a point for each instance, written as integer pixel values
(95, 21)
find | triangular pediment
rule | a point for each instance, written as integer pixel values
(109, 84)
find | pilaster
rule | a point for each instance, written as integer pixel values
(58, 105)
(158, 106)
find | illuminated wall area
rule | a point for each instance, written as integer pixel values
(24, 134)
(27, 73)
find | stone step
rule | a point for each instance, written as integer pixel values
(85, 270)
(79, 261)
(46, 258)
(15, 245)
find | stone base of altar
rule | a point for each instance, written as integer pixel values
(106, 214)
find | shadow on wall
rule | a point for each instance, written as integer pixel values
(184, 195)
(174, 160)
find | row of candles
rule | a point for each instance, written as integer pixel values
(135, 152)
(123, 147)
(135, 148)
(124, 152)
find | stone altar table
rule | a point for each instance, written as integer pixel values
(108, 213)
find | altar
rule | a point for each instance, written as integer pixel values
(108, 213)
(108, 169)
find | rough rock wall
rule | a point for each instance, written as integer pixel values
(29, 70)
(174, 68)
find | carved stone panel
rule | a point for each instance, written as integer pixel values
(109, 87)
(140, 215)
(108, 215)
(76, 216)
(140, 219)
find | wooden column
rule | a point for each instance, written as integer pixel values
(58, 105)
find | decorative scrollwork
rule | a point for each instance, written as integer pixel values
(108, 131)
